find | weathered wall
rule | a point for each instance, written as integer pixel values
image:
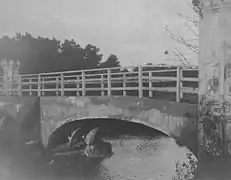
(214, 75)
(25, 111)
(168, 117)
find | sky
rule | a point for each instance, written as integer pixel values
(131, 29)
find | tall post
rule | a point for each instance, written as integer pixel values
(12, 80)
(102, 85)
(39, 85)
(124, 84)
(214, 77)
(109, 82)
(83, 83)
(140, 81)
(62, 84)
(178, 84)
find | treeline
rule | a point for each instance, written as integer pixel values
(42, 54)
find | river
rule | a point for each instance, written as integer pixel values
(135, 157)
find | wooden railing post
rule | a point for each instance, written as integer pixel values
(178, 84)
(109, 82)
(181, 83)
(10, 86)
(57, 86)
(140, 83)
(102, 85)
(124, 84)
(19, 85)
(39, 85)
(62, 84)
(43, 85)
(83, 83)
(150, 92)
(77, 85)
(30, 86)
(6, 85)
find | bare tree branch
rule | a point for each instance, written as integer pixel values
(181, 40)
(190, 28)
(178, 59)
(193, 20)
(181, 57)
(198, 7)
(192, 25)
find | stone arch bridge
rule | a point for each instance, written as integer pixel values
(40, 117)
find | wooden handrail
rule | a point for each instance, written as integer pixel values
(124, 79)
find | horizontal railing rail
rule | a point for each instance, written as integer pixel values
(140, 81)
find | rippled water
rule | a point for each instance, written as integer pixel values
(137, 158)
(134, 158)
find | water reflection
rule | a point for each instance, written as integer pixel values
(134, 157)
(139, 158)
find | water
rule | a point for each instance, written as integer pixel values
(134, 158)
(139, 152)
(137, 158)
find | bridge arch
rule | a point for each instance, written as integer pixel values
(168, 117)
(110, 127)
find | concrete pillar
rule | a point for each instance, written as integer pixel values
(12, 79)
(215, 76)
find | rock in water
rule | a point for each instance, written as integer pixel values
(96, 148)
(93, 152)
(102, 150)
(74, 138)
(75, 143)
(90, 137)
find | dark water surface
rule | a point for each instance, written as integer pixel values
(135, 157)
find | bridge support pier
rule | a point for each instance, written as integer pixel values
(214, 125)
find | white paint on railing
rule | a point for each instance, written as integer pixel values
(81, 80)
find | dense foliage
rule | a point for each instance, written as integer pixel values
(42, 54)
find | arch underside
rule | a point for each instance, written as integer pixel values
(167, 117)
(109, 127)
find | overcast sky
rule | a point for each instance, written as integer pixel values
(131, 29)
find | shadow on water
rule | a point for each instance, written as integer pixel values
(109, 128)
(32, 163)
